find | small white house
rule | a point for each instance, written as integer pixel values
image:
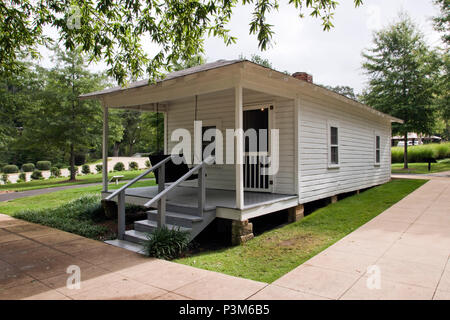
(328, 145)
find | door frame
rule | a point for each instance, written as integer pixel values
(270, 107)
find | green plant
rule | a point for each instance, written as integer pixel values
(99, 168)
(5, 178)
(60, 165)
(422, 153)
(10, 168)
(147, 163)
(55, 172)
(119, 166)
(36, 175)
(22, 177)
(85, 169)
(28, 167)
(77, 216)
(133, 165)
(165, 243)
(43, 165)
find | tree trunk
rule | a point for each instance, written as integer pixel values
(116, 148)
(72, 163)
(405, 152)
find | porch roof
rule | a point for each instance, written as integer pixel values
(170, 76)
(311, 88)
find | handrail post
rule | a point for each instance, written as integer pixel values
(121, 215)
(201, 190)
(162, 202)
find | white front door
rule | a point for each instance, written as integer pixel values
(258, 118)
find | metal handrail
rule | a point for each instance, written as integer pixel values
(139, 177)
(162, 194)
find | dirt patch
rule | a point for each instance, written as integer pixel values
(6, 191)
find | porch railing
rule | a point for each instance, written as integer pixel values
(162, 192)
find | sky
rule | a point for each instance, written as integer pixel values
(332, 57)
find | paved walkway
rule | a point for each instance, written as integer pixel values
(35, 192)
(409, 244)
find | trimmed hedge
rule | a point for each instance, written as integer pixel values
(422, 153)
(55, 171)
(119, 166)
(22, 177)
(10, 168)
(99, 168)
(147, 163)
(133, 165)
(36, 175)
(85, 169)
(28, 167)
(43, 165)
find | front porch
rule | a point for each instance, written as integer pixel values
(222, 202)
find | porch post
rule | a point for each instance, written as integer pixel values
(105, 149)
(239, 154)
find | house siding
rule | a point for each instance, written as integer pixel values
(219, 108)
(357, 130)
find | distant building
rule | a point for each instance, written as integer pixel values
(415, 139)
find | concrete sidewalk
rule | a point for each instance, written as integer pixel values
(409, 244)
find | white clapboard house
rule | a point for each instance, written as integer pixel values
(327, 143)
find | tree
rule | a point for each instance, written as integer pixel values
(61, 119)
(402, 72)
(114, 30)
(347, 91)
(442, 22)
(193, 61)
(258, 60)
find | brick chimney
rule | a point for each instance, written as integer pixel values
(303, 76)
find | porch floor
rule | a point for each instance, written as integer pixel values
(187, 197)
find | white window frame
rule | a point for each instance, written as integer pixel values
(332, 123)
(375, 135)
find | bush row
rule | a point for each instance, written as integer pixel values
(422, 153)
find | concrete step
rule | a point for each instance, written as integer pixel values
(135, 236)
(124, 244)
(175, 218)
(148, 226)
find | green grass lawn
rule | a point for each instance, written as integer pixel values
(274, 253)
(63, 181)
(440, 166)
(58, 198)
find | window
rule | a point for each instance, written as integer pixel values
(334, 145)
(377, 149)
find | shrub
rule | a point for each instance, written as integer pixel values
(77, 216)
(85, 169)
(60, 165)
(422, 153)
(5, 179)
(99, 168)
(28, 167)
(43, 165)
(133, 165)
(119, 166)
(37, 175)
(147, 163)
(10, 168)
(22, 177)
(55, 172)
(165, 243)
